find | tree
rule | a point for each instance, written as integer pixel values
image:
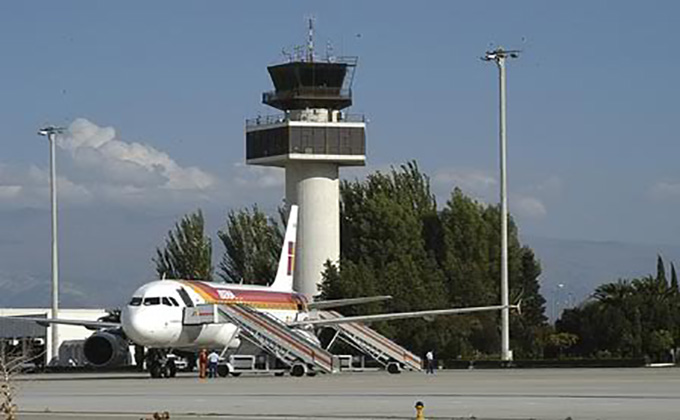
(383, 220)
(614, 294)
(528, 329)
(187, 253)
(628, 318)
(675, 294)
(660, 270)
(395, 241)
(470, 258)
(660, 342)
(562, 341)
(674, 280)
(252, 243)
(467, 264)
(466, 258)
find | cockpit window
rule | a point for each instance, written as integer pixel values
(152, 301)
(185, 297)
(166, 301)
(135, 301)
(174, 302)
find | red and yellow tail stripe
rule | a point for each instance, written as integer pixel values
(259, 299)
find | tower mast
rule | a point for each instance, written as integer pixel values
(310, 40)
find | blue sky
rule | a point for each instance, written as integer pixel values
(156, 93)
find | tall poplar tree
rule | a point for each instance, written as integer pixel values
(674, 280)
(187, 253)
(252, 243)
(660, 270)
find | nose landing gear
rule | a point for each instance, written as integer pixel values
(161, 364)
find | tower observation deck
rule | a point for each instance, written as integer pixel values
(312, 126)
(311, 138)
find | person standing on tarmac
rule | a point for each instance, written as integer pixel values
(429, 359)
(202, 363)
(213, 359)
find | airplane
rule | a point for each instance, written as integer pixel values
(154, 315)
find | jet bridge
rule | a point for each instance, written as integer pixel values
(370, 342)
(270, 334)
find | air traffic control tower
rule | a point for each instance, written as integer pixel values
(312, 138)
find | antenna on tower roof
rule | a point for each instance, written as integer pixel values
(329, 52)
(310, 39)
(287, 55)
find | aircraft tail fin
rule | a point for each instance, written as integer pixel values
(284, 274)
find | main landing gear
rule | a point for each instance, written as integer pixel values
(161, 364)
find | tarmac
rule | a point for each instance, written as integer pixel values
(621, 394)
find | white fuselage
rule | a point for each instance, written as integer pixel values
(153, 317)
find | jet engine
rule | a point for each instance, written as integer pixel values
(106, 349)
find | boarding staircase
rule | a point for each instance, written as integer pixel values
(370, 342)
(287, 344)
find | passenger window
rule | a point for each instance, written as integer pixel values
(136, 301)
(166, 301)
(152, 301)
(174, 302)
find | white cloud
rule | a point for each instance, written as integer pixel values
(471, 180)
(100, 168)
(474, 182)
(665, 190)
(9, 191)
(527, 206)
(258, 177)
(464, 178)
(97, 149)
(551, 186)
(484, 187)
(22, 187)
(352, 173)
(37, 183)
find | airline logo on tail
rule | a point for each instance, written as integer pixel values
(291, 258)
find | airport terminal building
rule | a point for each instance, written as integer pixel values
(29, 338)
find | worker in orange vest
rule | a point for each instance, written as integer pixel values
(202, 363)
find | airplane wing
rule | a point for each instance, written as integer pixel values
(92, 325)
(399, 315)
(326, 304)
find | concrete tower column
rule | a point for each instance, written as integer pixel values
(315, 188)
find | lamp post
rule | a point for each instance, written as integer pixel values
(499, 55)
(557, 295)
(52, 345)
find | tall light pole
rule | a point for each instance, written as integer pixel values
(557, 295)
(52, 345)
(499, 55)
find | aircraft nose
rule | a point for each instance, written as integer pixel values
(145, 327)
(137, 326)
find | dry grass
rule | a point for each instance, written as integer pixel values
(11, 364)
